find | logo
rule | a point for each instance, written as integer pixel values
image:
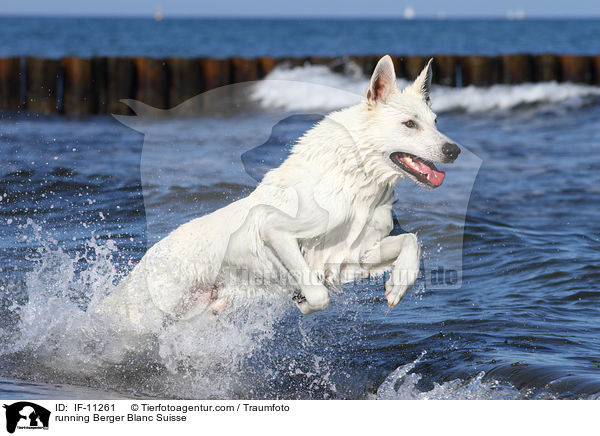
(26, 415)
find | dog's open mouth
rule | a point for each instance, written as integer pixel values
(425, 172)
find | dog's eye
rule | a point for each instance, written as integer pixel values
(410, 124)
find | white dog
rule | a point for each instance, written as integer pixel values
(322, 218)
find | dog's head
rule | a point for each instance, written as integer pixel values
(401, 127)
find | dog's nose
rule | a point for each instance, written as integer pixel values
(450, 150)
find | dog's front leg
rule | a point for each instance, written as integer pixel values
(287, 250)
(404, 251)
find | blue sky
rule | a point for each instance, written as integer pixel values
(304, 8)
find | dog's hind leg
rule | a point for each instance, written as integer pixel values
(203, 300)
(217, 304)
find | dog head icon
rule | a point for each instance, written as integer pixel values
(31, 414)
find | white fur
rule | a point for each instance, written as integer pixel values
(321, 219)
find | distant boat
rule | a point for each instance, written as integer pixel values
(158, 13)
(517, 14)
(409, 13)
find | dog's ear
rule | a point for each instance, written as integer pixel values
(383, 81)
(422, 84)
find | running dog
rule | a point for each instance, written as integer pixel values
(321, 219)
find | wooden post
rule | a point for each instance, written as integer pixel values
(265, 66)
(216, 73)
(10, 83)
(444, 70)
(576, 69)
(398, 62)
(516, 68)
(120, 84)
(152, 82)
(545, 68)
(99, 76)
(367, 63)
(335, 64)
(352, 65)
(340, 65)
(243, 70)
(186, 79)
(596, 68)
(319, 60)
(413, 65)
(41, 85)
(479, 70)
(79, 92)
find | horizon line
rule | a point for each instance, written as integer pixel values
(302, 17)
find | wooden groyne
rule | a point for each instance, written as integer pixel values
(79, 86)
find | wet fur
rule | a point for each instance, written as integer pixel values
(321, 219)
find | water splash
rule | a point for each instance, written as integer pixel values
(58, 339)
(53, 323)
(403, 385)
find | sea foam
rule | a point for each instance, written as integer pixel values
(292, 92)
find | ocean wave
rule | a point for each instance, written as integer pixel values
(401, 384)
(293, 89)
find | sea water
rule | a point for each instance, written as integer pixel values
(81, 199)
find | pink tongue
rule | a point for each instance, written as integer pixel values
(434, 177)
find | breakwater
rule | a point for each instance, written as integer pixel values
(79, 86)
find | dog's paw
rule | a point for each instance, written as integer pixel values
(394, 293)
(305, 308)
(398, 284)
(404, 274)
(315, 298)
